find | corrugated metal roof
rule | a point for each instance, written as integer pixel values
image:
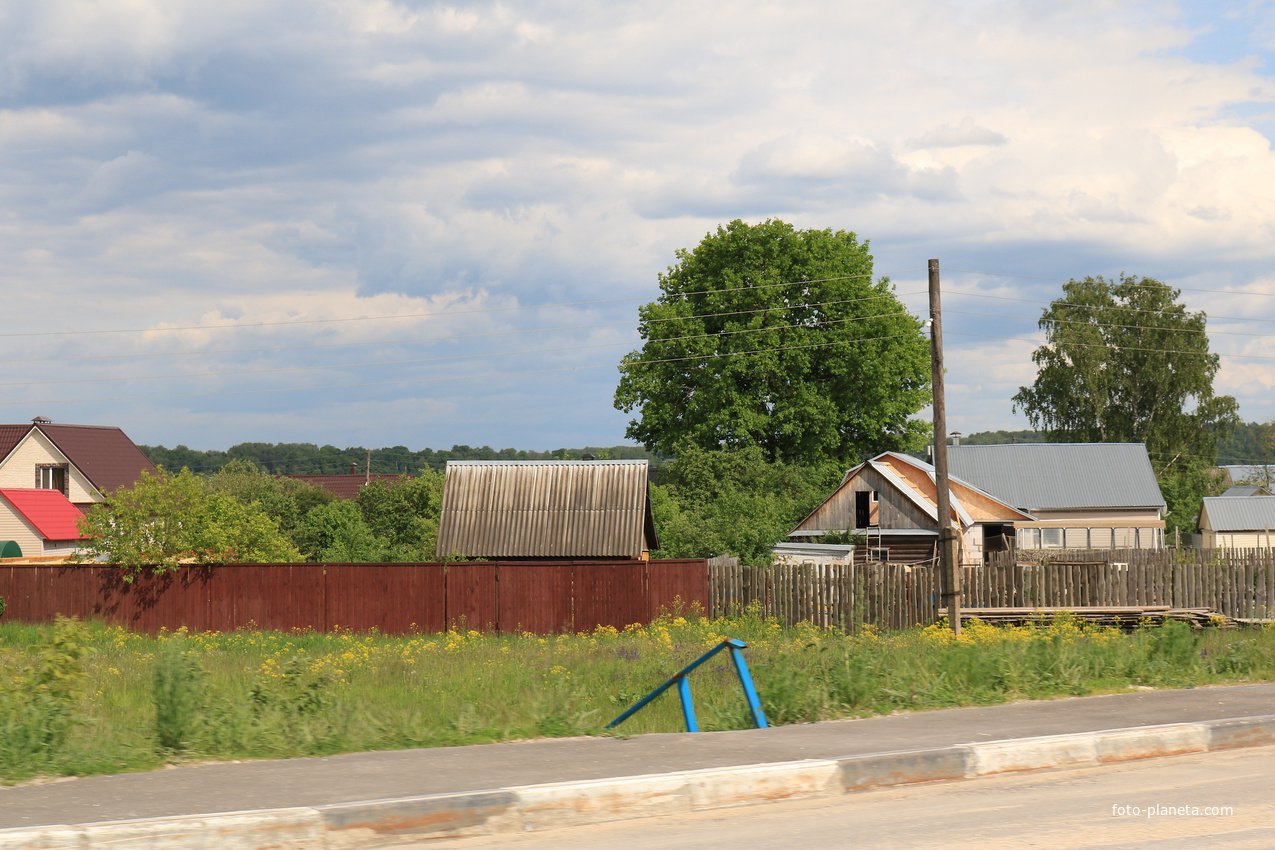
(1244, 490)
(546, 509)
(1254, 513)
(10, 436)
(49, 511)
(1045, 476)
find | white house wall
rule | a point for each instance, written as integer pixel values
(14, 527)
(18, 470)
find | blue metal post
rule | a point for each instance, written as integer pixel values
(746, 681)
(688, 707)
(684, 688)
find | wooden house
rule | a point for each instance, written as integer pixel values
(1237, 522)
(547, 509)
(891, 500)
(1081, 495)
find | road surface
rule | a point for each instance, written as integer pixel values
(1224, 800)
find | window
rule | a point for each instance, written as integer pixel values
(1040, 538)
(51, 476)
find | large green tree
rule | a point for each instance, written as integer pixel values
(780, 338)
(1124, 361)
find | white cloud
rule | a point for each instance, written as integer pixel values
(183, 164)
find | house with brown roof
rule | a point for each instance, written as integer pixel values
(891, 502)
(502, 509)
(49, 473)
(347, 486)
(82, 462)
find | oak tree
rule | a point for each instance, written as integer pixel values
(766, 335)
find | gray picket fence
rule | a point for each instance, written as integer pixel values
(1237, 582)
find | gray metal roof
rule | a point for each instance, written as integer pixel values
(1254, 513)
(1056, 476)
(546, 509)
(1244, 490)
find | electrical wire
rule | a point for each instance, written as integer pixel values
(452, 338)
(437, 315)
(418, 361)
(401, 381)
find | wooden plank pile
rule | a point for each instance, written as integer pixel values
(1124, 617)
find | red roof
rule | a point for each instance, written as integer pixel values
(344, 486)
(48, 510)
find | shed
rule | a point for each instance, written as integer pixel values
(546, 509)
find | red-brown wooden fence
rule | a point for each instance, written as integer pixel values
(520, 596)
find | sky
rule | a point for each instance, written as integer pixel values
(375, 223)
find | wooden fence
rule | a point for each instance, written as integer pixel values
(1238, 583)
(539, 597)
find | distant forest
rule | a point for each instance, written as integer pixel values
(309, 459)
(1249, 443)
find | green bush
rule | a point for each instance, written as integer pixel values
(40, 701)
(177, 687)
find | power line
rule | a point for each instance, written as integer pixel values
(1141, 285)
(400, 381)
(438, 315)
(1095, 306)
(452, 338)
(1037, 342)
(418, 361)
(1108, 324)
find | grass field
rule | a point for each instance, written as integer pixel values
(86, 698)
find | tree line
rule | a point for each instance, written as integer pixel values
(311, 459)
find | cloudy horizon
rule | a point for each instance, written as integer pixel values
(377, 223)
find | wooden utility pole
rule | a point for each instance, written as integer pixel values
(947, 538)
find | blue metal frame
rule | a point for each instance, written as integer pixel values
(684, 688)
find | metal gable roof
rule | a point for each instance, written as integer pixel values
(102, 453)
(546, 509)
(48, 511)
(1044, 476)
(1252, 513)
(1244, 491)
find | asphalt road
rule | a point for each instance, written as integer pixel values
(1162, 803)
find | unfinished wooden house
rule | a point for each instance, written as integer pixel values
(891, 500)
(547, 509)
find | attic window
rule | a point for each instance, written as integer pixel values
(51, 476)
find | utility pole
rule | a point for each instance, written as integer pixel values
(947, 538)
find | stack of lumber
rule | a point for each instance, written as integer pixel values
(1125, 617)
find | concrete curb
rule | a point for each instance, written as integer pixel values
(527, 808)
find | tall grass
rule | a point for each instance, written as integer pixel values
(130, 701)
